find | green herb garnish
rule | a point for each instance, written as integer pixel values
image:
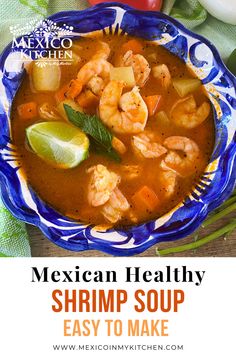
(226, 230)
(100, 136)
(228, 207)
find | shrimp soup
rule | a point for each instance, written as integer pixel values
(120, 136)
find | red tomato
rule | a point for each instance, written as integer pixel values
(141, 5)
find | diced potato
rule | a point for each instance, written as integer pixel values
(186, 86)
(125, 74)
(71, 103)
(162, 118)
(46, 74)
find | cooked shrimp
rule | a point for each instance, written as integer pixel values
(144, 147)
(166, 167)
(96, 85)
(118, 145)
(101, 185)
(96, 73)
(162, 73)
(103, 52)
(117, 205)
(140, 67)
(186, 114)
(95, 68)
(125, 113)
(168, 181)
(183, 165)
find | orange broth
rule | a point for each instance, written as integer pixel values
(66, 190)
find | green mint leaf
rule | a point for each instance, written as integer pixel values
(100, 136)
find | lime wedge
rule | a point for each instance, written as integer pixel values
(58, 143)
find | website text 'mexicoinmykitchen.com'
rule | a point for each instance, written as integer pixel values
(118, 347)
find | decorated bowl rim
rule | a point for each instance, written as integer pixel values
(136, 246)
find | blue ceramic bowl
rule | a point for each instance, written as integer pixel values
(215, 185)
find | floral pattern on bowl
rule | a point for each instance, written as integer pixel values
(219, 177)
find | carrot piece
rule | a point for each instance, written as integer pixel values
(75, 88)
(146, 198)
(87, 99)
(153, 103)
(60, 95)
(133, 45)
(27, 110)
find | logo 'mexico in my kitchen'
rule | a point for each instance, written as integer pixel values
(46, 40)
